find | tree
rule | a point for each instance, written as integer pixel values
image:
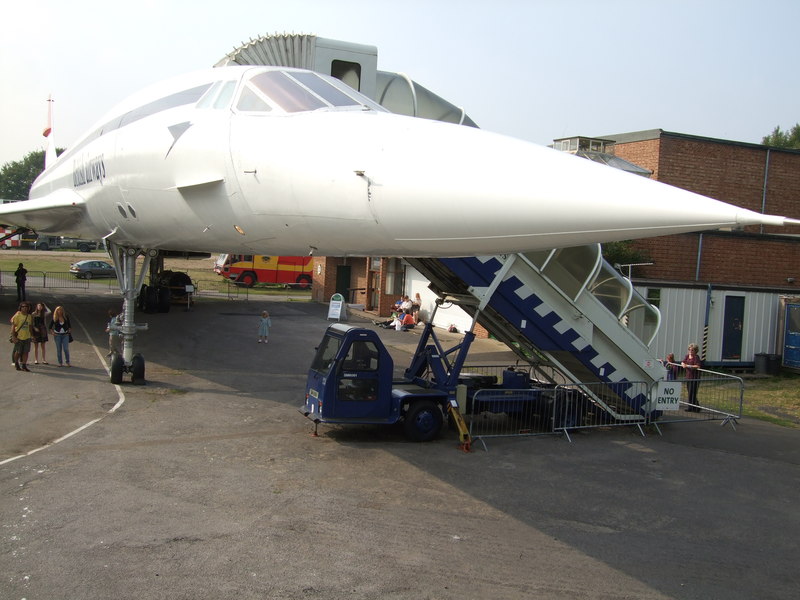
(623, 253)
(16, 177)
(783, 139)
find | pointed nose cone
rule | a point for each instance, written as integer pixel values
(449, 190)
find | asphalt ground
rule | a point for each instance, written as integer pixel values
(206, 483)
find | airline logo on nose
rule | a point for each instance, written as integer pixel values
(87, 169)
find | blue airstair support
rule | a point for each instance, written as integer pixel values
(569, 307)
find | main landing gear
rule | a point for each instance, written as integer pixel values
(130, 283)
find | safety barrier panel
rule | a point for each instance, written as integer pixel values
(46, 279)
(719, 397)
(564, 408)
(598, 404)
(504, 413)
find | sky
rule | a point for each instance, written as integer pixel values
(533, 69)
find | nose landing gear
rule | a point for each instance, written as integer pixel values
(124, 258)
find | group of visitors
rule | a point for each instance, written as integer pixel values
(405, 315)
(33, 326)
(690, 367)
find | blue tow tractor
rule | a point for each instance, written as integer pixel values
(351, 382)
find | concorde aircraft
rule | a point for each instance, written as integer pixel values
(273, 160)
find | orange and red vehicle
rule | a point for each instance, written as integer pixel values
(250, 269)
(9, 238)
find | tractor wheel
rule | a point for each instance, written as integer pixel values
(423, 421)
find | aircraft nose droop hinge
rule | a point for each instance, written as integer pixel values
(177, 131)
(370, 183)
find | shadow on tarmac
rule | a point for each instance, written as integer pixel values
(215, 435)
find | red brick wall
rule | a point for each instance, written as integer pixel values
(325, 277)
(732, 173)
(726, 258)
(726, 171)
(645, 154)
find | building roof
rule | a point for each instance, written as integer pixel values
(654, 134)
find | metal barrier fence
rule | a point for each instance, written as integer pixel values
(504, 413)
(54, 280)
(598, 404)
(720, 397)
(559, 409)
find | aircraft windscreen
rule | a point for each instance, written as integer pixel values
(294, 91)
(324, 89)
(285, 92)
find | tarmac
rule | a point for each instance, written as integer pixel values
(207, 483)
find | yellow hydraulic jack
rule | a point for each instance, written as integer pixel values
(453, 410)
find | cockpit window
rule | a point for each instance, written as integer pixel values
(224, 98)
(218, 96)
(324, 89)
(285, 92)
(251, 102)
(296, 91)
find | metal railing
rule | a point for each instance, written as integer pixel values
(505, 413)
(55, 280)
(560, 409)
(720, 397)
(599, 404)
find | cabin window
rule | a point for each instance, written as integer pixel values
(362, 356)
(326, 352)
(357, 376)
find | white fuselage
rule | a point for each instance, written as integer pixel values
(196, 164)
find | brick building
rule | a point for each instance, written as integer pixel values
(752, 176)
(723, 288)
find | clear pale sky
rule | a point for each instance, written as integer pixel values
(535, 69)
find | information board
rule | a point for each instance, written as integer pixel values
(337, 309)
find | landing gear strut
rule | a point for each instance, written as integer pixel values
(130, 283)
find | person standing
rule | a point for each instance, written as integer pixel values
(62, 332)
(21, 324)
(39, 335)
(21, 275)
(671, 366)
(112, 329)
(263, 327)
(691, 367)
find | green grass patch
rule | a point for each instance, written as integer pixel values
(774, 399)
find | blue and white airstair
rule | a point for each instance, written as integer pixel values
(569, 307)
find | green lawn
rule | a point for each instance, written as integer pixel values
(775, 399)
(201, 271)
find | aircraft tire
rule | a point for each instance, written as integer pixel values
(164, 299)
(117, 368)
(148, 299)
(423, 421)
(137, 370)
